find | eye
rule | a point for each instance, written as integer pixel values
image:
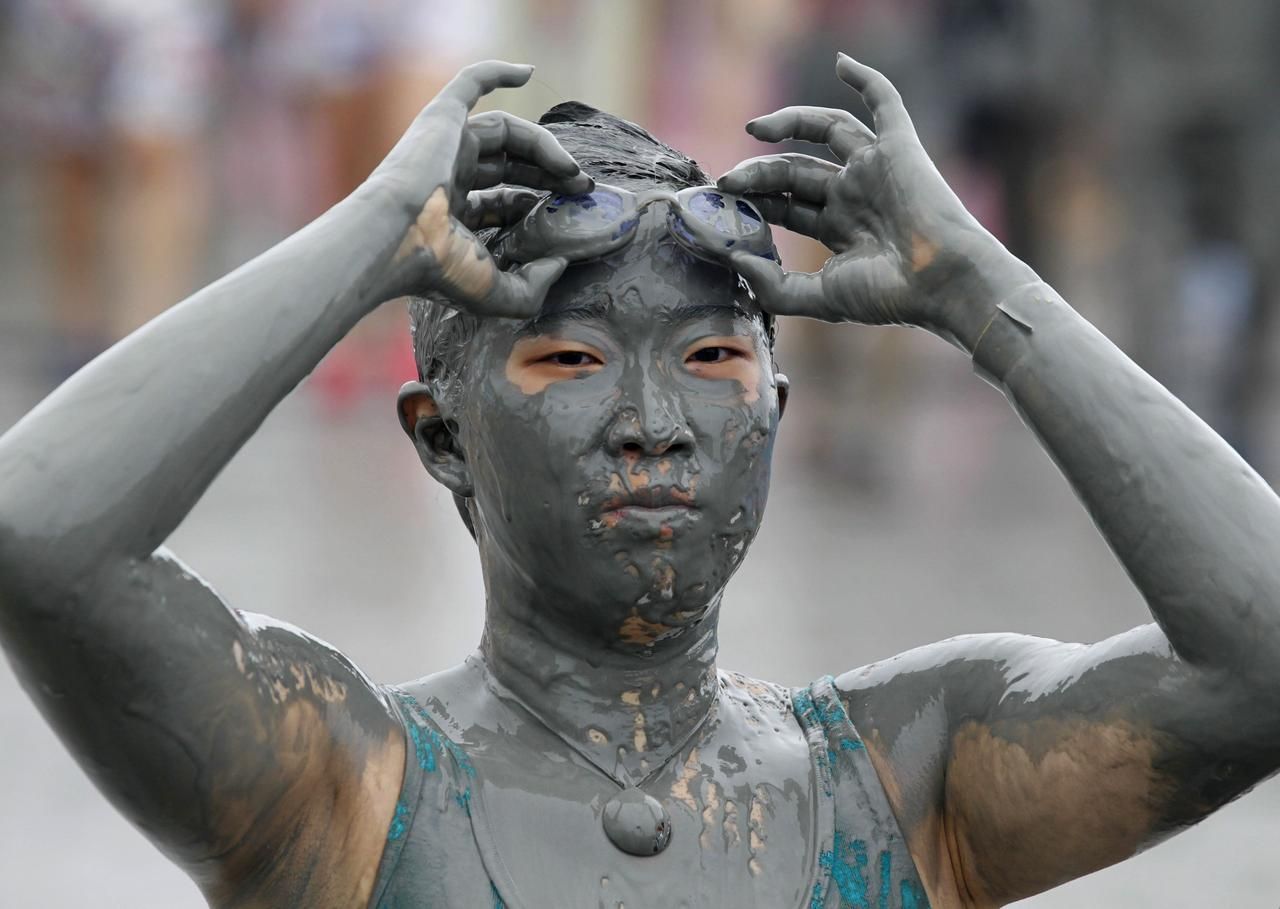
(571, 359)
(713, 354)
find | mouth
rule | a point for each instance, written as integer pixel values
(651, 511)
(650, 498)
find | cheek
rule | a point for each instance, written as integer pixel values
(749, 378)
(528, 448)
(737, 429)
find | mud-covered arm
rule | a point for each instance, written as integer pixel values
(1194, 526)
(1018, 763)
(1046, 760)
(228, 741)
(1176, 719)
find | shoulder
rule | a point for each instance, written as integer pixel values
(765, 696)
(327, 793)
(905, 706)
(905, 709)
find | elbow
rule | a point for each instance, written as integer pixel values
(36, 575)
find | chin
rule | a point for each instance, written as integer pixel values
(648, 594)
(631, 580)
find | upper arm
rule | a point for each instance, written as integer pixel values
(244, 749)
(1046, 761)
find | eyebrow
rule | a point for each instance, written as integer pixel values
(693, 311)
(597, 310)
(594, 310)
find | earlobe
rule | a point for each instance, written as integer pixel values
(434, 437)
(783, 384)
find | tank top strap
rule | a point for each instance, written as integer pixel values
(430, 857)
(866, 862)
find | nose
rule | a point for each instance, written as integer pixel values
(648, 422)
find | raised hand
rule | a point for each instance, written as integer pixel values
(440, 176)
(887, 214)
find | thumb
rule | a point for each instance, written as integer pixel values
(519, 293)
(763, 275)
(780, 292)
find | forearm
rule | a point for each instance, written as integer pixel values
(112, 461)
(1192, 523)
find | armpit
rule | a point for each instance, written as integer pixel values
(303, 768)
(1037, 804)
(334, 842)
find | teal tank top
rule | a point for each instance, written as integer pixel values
(433, 859)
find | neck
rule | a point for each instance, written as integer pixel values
(628, 710)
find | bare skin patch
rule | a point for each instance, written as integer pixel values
(344, 802)
(532, 367)
(282, 678)
(923, 252)
(756, 835)
(463, 261)
(1078, 796)
(639, 737)
(741, 365)
(681, 789)
(732, 835)
(638, 630)
(927, 841)
(637, 476)
(710, 812)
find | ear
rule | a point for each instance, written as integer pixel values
(783, 385)
(435, 438)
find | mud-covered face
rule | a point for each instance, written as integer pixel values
(619, 444)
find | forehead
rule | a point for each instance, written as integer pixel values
(651, 280)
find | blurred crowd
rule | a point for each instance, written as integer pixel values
(1124, 148)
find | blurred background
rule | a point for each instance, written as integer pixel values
(1126, 148)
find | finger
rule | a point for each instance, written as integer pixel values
(498, 131)
(882, 99)
(498, 169)
(497, 207)
(789, 212)
(518, 294)
(803, 176)
(479, 79)
(840, 130)
(782, 293)
(429, 147)
(464, 174)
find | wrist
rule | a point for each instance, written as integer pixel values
(386, 216)
(961, 290)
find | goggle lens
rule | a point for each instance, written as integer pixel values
(704, 219)
(585, 214)
(730, 218)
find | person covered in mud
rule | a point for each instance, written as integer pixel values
(593, 322)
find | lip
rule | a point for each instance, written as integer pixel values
(651, 498)
(655, 511)
(661, 521)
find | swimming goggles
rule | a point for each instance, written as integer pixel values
(703, 219)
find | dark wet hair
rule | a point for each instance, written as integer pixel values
(609, 149)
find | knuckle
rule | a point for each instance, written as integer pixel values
(887, 91)
(462, 85)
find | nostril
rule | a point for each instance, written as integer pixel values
(632, 448)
